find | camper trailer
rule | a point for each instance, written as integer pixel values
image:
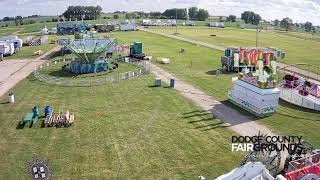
(190, 23)
(14, 40)
(6, 48)
(216, 24)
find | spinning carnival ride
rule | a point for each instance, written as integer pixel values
(301, 87)
(91, 54)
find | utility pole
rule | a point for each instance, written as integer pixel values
(257, 35)
(176, 20)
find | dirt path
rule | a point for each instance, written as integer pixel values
(13, 71)
(239, 123)
(220, 48)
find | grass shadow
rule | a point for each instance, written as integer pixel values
(297, 108)
(215, 72)
(61, 73)
(20, 126)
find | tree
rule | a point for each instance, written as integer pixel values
(202, 15)
(232, 18)
(276, 22)
(78, 12)
(172, 13)
(155, 15)
(308, 26)
(7, 19)
(193, 13)
(131, 15)
(286, 23)
(251, 17)
(256, 19)
(19, 20)
(115, 16)
(245, 16)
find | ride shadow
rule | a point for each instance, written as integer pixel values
(203, 121)
(219, 72)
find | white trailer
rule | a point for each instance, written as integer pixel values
(216, 24)
(6, 48)
(12, 39)
(128, 27)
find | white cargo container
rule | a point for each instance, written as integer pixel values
(128, 27)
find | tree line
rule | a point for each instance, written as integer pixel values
(287, 24)
(192, 13)
(82, 12)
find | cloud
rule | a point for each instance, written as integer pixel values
(298, 10)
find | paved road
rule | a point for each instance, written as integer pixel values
(200, 43)
(13, 71)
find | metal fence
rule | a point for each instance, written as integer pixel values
(87, 81)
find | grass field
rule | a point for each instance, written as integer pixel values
(298, 48)
(132, 130)
(289, 120)
(127, 130)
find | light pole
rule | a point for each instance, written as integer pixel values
(176, 21)
(257, 35)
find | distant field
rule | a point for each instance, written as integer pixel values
(197, 66)
(298, 48)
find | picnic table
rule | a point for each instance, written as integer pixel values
(27, 118)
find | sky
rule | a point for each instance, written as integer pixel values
(297, 10)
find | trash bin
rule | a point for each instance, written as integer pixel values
(35, 111)
(47, 111)
(157, 82)
(172, 82)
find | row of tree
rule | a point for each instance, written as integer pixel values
(287, 24)
(82, 12)
(198, 14)
(192, 13)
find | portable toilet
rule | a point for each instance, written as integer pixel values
(137, 47)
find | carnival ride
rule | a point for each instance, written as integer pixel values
(89, 54)
(255, 87)
(102, 57)
(235, 59)
(300, 85)
(301, 163)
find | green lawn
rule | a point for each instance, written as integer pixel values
(129, 130)
(298, 46)
(289, 120)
